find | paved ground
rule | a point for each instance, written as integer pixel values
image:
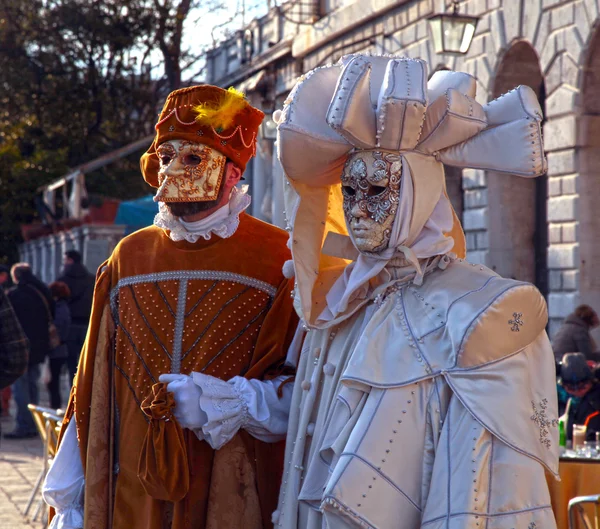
(20, 465)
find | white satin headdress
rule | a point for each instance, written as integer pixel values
(388, 104)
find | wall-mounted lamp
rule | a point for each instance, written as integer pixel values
(452, 33)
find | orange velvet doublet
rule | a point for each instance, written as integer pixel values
(221, 307)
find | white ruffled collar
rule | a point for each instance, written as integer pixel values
(223, 222)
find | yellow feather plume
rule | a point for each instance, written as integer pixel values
(221, 116)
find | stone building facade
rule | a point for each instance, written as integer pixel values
(546, 230)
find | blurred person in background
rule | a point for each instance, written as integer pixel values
(5, 393)
(579, 382)
(5, 281)
(14, 346)
(81, 285)
(574, 334)
(58, 356)
(34, 307)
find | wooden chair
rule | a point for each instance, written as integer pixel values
(47, 421)
(576, 507)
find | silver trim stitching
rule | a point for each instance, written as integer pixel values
(175, 275)
(179, 323)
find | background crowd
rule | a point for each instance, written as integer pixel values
(50, 323)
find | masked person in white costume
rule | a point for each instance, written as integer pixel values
(425, 393)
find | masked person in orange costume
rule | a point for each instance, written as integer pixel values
(179, 399)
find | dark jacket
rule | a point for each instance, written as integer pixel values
(572, 337)
(81, 284)
(587, 411)
(14, 346)
(32, 314)
(62, 320)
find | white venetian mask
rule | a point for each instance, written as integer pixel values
(371, 192)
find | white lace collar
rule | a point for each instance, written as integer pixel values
(223, 222)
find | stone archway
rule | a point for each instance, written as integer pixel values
(588, 158)
(517, 207)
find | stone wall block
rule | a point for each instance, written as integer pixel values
(561, 304)
(512, 18)
(563, 256)
(582, 23)
(426, 8)
(561, 101)
(471, 239)
(484, 24)
(561, 162)
(573, 42)
(477, 257)
(570, 280)
(475, 198)
(483, 240)
(549, 51)
(474, 178)
(477, 7)
(531, 19)
(475, 219)
(413, 12)
(541, 33)
(569, 73)
(570, 232)
(553, 326)
(560, 133)
(422, 29)
(483, 73)
(554, 233)
(477, 45)
(498, 32)
(569, 185)
(553, 75)
(562, 209)
(592, 8)
(552, 3)
(555, 280)
(561, 16)
(554, 187)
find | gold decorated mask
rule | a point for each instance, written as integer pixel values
(189, 172)
(371, 192)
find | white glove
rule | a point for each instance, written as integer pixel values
(187, 401)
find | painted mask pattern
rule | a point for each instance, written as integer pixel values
(189, 172)
(371, 192)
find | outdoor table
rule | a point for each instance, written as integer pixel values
(579, 477)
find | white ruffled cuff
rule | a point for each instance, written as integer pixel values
(224, 406)
(69, 518)
(253, 405)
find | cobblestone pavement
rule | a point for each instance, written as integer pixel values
(20, 465)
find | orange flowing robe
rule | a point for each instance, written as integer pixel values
(221, 307)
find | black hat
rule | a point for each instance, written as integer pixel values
(574, 369)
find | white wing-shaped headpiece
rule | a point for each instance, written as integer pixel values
(388, 104)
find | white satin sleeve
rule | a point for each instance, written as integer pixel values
(64, 484)
(253, 405)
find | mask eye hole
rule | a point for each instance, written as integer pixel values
(373, 191)
(349, 190)
(191, 159)
(165, 159)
